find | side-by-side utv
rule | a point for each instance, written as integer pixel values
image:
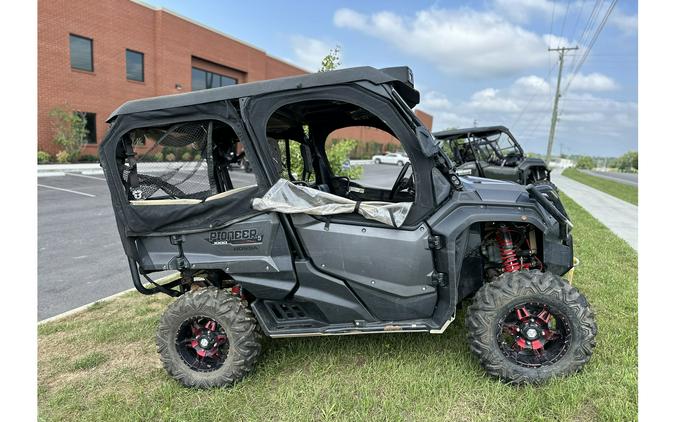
(291, 249)
(492, 152)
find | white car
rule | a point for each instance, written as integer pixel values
(397, 158)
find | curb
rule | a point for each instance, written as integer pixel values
(83, 307)
(48, 170)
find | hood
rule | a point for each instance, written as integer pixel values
(491, 190)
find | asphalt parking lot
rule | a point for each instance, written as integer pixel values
(80, 257)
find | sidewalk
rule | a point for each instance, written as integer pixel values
(619, 216)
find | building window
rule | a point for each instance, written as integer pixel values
(90, 126)
(202, 79)
(81, 53)
(134, 66)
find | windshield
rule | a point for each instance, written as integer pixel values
(495, 147)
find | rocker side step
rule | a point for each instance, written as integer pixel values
(295, 319)
(277, 315)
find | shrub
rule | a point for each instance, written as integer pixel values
(585, 163)
(157, 157)
(186, 156)
(63, 157)
(198, 157)
(147, 158)
(338, 156)
(70, 130)
(44, 157)
(170, 157)
(88, 158)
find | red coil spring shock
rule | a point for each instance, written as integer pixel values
(510, 262)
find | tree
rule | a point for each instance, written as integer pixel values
(585, 163)
(70, 131)
(628, 161)
(331, 61)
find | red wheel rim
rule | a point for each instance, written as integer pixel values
(202, 344)
(533, 334)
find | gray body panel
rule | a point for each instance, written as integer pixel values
(263, 262)
(388, 268)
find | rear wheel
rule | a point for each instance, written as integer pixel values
(208, 338)
(378, 161)
(399, 163)
(530, 326)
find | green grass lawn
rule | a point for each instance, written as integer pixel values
(101, 364)
(619, 190)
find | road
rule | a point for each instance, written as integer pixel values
(627, 178)
(80, 256)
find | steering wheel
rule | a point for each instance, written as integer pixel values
(398, 184)
(340, 185)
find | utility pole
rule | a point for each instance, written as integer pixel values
(554, 118)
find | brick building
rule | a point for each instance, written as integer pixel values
(94, 56)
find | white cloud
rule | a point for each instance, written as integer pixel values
(554, 41)
(588, 123)
(443, 111)
(531, 85)
(596, 82)
(628, 24)
(489, 100)
(522, 11)
(309, 51)
(460, 42)
(436, 100)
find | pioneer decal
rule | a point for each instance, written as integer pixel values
(235, 237)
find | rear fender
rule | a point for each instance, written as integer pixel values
(458, 225)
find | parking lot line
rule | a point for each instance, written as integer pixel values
(84, 175)
(67, 190)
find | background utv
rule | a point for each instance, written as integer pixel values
(239, 271)
(492, 152)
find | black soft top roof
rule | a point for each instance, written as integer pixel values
(459, 133)
(401, 77)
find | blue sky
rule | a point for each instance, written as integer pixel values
(474, 61)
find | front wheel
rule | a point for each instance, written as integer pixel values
(208, 338)
(378, 161)
(530, 326)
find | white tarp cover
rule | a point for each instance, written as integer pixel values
(287, 198)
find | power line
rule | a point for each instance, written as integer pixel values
(529, 101)
(550, 31)
(589, 24)
(562, 28)
(576, 22)
(590, 46)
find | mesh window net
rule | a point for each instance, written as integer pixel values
(171, 163)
